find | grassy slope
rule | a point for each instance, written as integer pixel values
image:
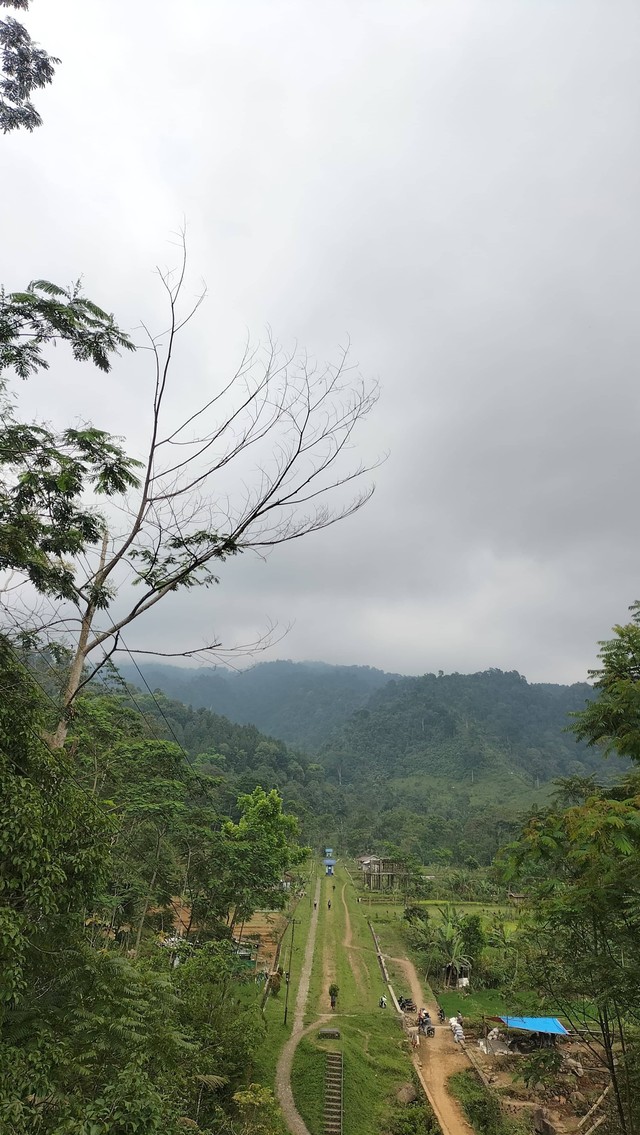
(482, 1107)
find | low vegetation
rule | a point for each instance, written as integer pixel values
(483, 1109)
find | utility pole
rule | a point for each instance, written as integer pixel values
(288, 979)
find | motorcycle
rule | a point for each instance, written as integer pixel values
(406, 1004)
(441, 1014)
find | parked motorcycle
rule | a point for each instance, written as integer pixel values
(406, 1004)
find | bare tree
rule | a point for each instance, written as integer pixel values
(258, 464)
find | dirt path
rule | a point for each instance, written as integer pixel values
(436, 1059)
(355, 961)
(292, 1117)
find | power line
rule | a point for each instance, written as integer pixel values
(157, 705)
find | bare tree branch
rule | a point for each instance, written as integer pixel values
(261, 462)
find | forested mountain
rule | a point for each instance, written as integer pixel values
(361, 720)
(441, 766)
(455, 725)
(300, 702)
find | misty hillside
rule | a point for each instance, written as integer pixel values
(362, 721)
(302, 703)
(457, 725)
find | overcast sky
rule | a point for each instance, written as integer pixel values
(454, 184)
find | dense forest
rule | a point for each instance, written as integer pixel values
(454, 725)
(352, 716)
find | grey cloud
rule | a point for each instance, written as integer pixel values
(452, 184)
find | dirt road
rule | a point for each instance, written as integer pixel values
(292, 1116)
(436, 1060)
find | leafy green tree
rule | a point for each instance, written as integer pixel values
(580, 866)
(52, 853)
(613, 718)
(25, 68)
(448, 945)
(222, 1031)
(257, 1110)
(473, 936)
(44, 475)
(261, 847)
(505, 941)
(44, 519)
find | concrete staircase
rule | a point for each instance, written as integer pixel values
(333, 1094)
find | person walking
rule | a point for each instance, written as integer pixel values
(329, 905)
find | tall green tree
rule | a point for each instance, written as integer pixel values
(613, 718)
(581, 868)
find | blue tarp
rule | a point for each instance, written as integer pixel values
(534, 1024)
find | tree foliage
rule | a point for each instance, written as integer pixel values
(46, 313)
(98, 1032)
(613, 718)
(24, 68)
(580, 865)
